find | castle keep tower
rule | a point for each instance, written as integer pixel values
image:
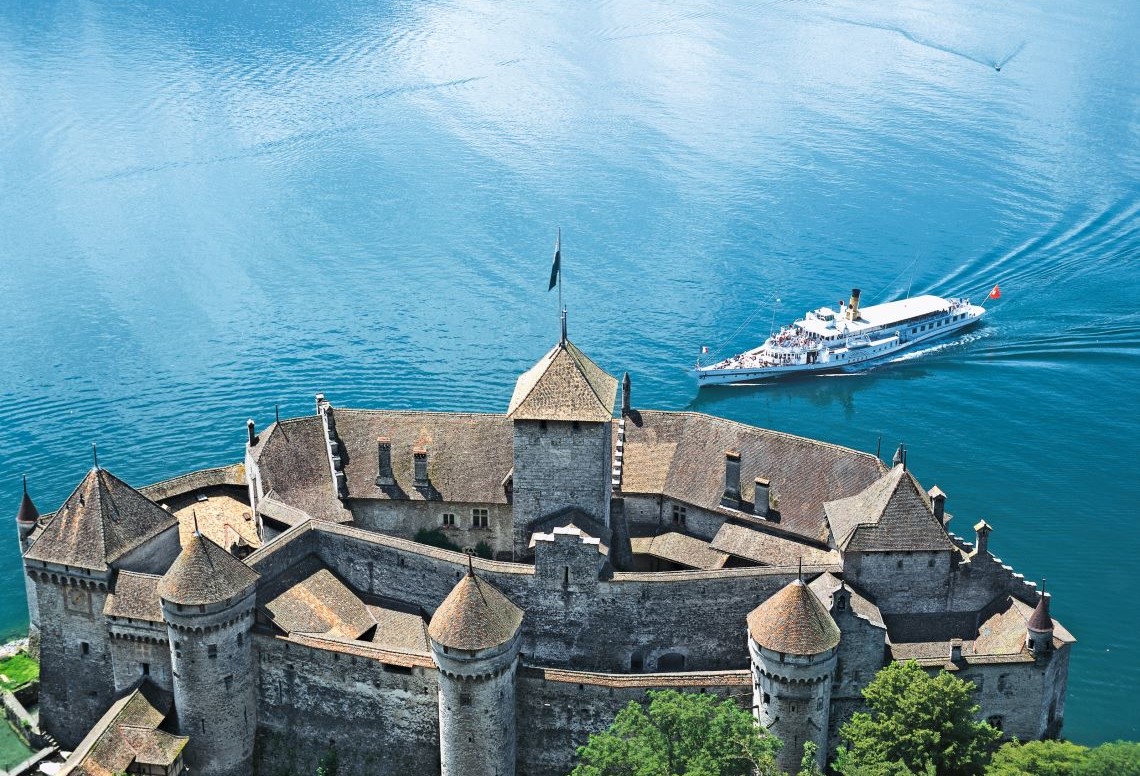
(792, 641)
(561, 410)
(207, 603)
(475, 636)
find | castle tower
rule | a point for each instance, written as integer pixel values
(1039, 628)
(26, 519)
(475, 636)
(793, 641)
(207, 602)
(561, 409)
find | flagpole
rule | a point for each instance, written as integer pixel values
(558, 252)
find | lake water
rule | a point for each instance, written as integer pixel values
(210, 208)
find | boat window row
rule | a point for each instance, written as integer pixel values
(924, 327)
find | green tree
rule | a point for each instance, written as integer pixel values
(329, 764)
(927, 724)
(1120, 758)
(435, 538)
(680, 734)
(1037, 758)
(808, 764)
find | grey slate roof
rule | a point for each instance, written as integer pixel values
(1040, 621)
(681, 455)
(309, 598)
(135, 596)
(294, 468)
(682, 549)
(793, 621)
(101, 521)
(474, 616)
(564, 385)
(892, 514)
(27, 512)
(825, 585)
(204, 573)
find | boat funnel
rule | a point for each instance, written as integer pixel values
(853, 307)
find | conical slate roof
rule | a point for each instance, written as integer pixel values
(102, 520)
(1040, 621)
(28, 512)
(793, 621)
(204, 573)
(474, 616)
(564, 385)
(892, 514)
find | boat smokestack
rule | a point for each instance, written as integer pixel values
(853, 307)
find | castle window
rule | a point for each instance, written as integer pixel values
(464, 699)
(930, 563)
(899, 565)
(841, 604)
(542, 425)
(211, 651)
(678, 514)
(574, 426)
(229, 680)
(995, 721)
(201, 607)
(767, 699)
(85, 648)
(479, 518)
(146, 669)
(240, 639)
(636, 663)
(447, 520)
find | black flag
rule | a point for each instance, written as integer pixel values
(556, 267)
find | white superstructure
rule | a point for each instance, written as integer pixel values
(827, 340)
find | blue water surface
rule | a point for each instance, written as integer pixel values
(210, 208)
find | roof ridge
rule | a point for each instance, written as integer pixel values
(540, 368)
(576, 353)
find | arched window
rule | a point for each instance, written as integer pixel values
(670, 662)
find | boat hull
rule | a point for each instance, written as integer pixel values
(858, 359)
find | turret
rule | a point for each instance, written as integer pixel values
(207, 602)
(26, 518)
(1039, 628)
(793, 641)
(475, 636)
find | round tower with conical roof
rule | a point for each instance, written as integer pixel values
(207, 602)
(793, 641)
(26, 520)
(1039, 628)
(475, 636)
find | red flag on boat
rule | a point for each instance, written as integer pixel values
(996, 293)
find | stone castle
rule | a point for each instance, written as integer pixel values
(251, 618)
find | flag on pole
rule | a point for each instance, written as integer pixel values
(996, 293)
(704, 349)
(556, 266)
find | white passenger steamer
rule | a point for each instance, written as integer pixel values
(826, 340)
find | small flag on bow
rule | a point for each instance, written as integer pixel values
(556, 266)
(704, 349)
(996, 293)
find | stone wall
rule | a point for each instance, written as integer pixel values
(862, 652)
(382, 719)
(405, 518)
(901, 582)
(136, 653)
(154, 556)
(649, 515)
(1022, 695)
(559, 464)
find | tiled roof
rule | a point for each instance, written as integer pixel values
(102, 520)
(825, 585)
(564, 385)
(128, 733)
(474, 616)
(399, 630)
(681, 456)
(647, 681)
(892, 514)
(793, 621)
(468, 454)
(204, 573)
(1040, 621)
(759, 546)
(685, 550)
(294, 466)
(309, 598)
(135, 596)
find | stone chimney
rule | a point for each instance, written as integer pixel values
(762, 501)
(955, 650)
(420, 462)
(625, 395)
(320, 402)
(384, 477)
(982, 529)
(938, 502)
(251, 432)
(731, 496)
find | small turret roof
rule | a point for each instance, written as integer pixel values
(564, 385)
(474, 616)
(1040, 621)
(793, 621)
(102, 520)
(28, 512)
(204, 573)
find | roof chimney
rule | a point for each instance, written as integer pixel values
(320, 401)
(982, 529)
(420, 463)
(938, 502)
(384, 477)
(731, 496)
(625, 395)
(251, 432)
(762, 502)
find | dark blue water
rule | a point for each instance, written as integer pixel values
(208, 208)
